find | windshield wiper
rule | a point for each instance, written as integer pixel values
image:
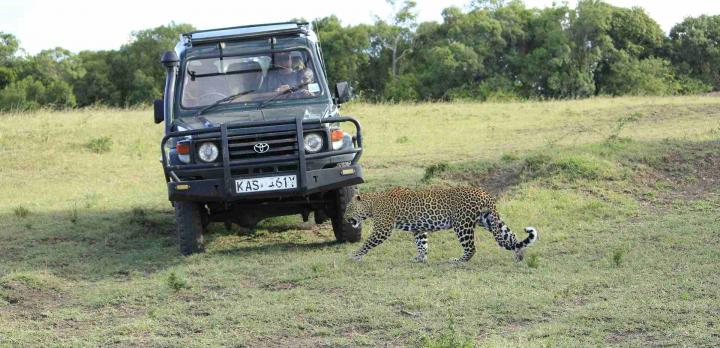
(223, 100)
(287, 91)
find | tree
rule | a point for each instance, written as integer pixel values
(343, 48)
(25, 94)
(137, 64)
(694, 48)
(629, 75)
(7, 76)
(9, 46)
(545, 68)
(60, 95)
(57, 64)
(632, 30)
(396, 35)
(95, 86)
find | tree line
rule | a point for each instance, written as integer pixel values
(493, 50)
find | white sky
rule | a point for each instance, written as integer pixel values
(100, 24)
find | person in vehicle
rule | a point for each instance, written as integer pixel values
(289, 73)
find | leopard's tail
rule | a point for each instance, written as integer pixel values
(531, 238)
(509, 241)
(503, 235)
(519, 247)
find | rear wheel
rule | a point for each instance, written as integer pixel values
(190, 219)
(344, 231)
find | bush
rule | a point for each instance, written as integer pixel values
(403, 87)
(176, 282)
(571, 167)
(688, 85)
(99, 145)
(30, 94)
(632, 76)
(434, 170)
(26, 94)
(21, 211)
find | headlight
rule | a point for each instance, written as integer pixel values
(313, 142)
(208, 152)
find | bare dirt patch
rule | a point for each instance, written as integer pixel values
(29, 302)
(690, 172)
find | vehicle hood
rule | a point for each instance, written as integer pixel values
(215, 119)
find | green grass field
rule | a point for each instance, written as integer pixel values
(624, 192)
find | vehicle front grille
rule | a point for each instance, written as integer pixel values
(242, 147)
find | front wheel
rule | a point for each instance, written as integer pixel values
(344, 231)
(189, 217)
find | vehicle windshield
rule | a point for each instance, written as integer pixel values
(261, 76)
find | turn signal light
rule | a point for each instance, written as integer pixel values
(337, 135)
(182, 148)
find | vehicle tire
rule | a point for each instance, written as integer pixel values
(189, 219)
(344, 232)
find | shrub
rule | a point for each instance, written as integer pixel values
(449, 338)
(21, 212)
(175, 282)
(533, 261)
(402, 87)
(99, 145)
(617, 257)
(434, 170)
(632, 76)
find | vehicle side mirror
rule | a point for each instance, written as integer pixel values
(343, 92)
(159, 105)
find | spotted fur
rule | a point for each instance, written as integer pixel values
(430, 210)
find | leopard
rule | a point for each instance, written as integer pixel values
(426, 210)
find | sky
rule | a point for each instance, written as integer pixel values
(102, 25)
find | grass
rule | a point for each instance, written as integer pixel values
(623, 191)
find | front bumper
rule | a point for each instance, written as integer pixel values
(309, 180)
(214, 190)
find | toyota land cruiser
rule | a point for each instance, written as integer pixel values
(252, 131)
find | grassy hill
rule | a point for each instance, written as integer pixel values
(624, 192)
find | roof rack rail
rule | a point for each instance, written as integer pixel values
(245, 32)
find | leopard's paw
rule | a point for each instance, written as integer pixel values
(456, 261)
(419, 259)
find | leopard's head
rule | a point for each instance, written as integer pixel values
(358, 209)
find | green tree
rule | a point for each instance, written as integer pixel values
(634, 31)
(95, 86)
(9, 46)
(343, 48)
(60, 95)
(7, 76)
(545, 68)
(143, 55)
(57, 64)
(694, 48)
(632, 76)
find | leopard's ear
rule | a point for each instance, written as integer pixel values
(358, 196)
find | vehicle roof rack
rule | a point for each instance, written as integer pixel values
(245, 32)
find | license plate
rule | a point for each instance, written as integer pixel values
(270, 183)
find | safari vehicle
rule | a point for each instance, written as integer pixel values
(252, 131)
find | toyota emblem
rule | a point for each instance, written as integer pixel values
(261, 147)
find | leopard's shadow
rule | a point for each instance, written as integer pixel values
(275, 247)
